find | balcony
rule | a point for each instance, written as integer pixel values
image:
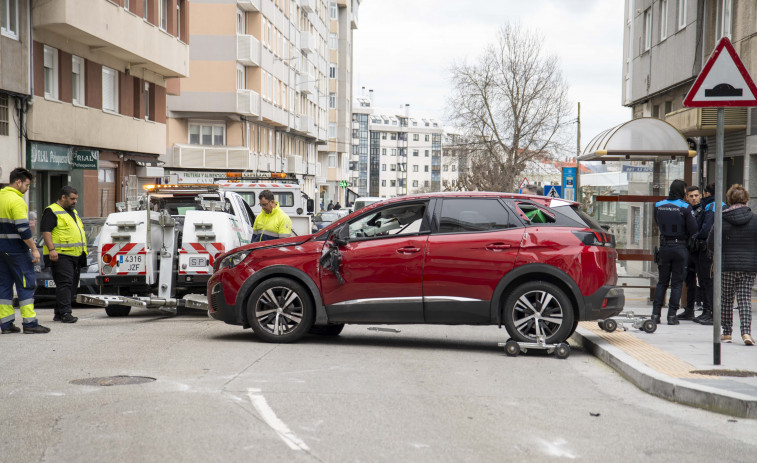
(211, 157)
(308, 6)
(248, 50)
(307, 44)
(125, 37)
(699, 122)
(305, 83)
(249, 5)
(295, 165)
(307, 125)
(248, 102)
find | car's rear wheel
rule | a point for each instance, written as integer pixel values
(280, 310)
(328, 330)
(538, 307)
(117, 310)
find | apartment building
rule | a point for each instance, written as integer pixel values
(395, 153)
(258, 95)
(666, 44)
(99, 71)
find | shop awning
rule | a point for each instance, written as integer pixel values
(643, 139)
(145, 158)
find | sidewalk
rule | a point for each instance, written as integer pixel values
(663, 363)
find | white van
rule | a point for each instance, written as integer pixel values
(364, 201)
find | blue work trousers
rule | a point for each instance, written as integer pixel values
(16, 269)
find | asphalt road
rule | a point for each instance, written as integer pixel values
(436, 394)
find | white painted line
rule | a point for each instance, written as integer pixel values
(268, 415)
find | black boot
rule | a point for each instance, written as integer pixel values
(656, 319)
(688, 314)
(705, 318)
(672, 320)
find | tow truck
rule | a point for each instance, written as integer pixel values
(161, 255)
(286, 191)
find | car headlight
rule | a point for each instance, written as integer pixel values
(232, 260)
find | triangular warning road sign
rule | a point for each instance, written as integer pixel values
(724, 81)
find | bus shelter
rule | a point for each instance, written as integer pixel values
(641, 158)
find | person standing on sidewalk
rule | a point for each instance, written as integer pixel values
(693, 197)
(65, 250)
(675, 219)
(704, 265)
(16, 261)
(739, 262)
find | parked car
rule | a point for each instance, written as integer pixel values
(364, 201)
(45, 283)
(516, 261)
(324, 218)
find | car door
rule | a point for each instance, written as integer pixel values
(382, 267)
(475, 242)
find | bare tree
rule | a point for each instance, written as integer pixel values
(512, 106)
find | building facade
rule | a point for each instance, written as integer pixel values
(257, 97)
(84, 94)
(396, 153)
(666, 44)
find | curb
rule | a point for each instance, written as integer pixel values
(663, 386)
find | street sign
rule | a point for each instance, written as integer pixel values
(724, 81)
(552, 191)
(569, 183)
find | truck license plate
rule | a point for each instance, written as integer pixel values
(198, 261)
(132, 263)
(49, 283)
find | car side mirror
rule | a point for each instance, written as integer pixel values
(341, 235)
(311, 205)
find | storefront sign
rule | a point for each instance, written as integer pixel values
(44, 156)
(194, 177)
(85, 159)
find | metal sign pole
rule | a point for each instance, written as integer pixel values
(718, 227)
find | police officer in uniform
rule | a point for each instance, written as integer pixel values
(693, 197)
(16, 260)
(272, 223)
(65, 250)
(704, 266)
(675, 219)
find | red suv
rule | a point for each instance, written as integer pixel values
(445, 258)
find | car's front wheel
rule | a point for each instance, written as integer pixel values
(280, 310)
(538, 307)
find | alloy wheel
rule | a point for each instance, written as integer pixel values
(279, 310)
(537, 312)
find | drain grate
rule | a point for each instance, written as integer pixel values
(735, 373)
(121, 380)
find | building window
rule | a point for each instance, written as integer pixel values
(145, 6)
(454, 168)
(333, 10)
(647, 29)
(416, 137)
(147, 101)
(383, 135)
(393, 167)
(394, 135)
(668, 107)
(332, 100)
(426, 183)
(126, 4)
(4, 115)
(394, 152)
(332, 160)
(110, 89)
(163, 15)
(240, 22)
(383, 151)
(663, 19)
(240, 77)
(445, 168)
(415, 183)
(725, 18)
(656, 111)
(394, 183)
(207, 134)
(383, 167)
(425, 153)
(9, 18)
(415, 153)
(425, 168)
(77, 80)
(383, 183)
(332, 129)
(415, 167)
(426, 137)
(51, 73)
(332, 71)
(682, 13)
(333, 41)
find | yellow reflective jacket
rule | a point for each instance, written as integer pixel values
(14, 221)
(271, 226)
(68, 236)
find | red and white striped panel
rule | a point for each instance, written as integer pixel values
(212, 250)
(115, 250)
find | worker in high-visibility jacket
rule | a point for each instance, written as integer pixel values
(272, 223)
(65, 250)
(18, 254)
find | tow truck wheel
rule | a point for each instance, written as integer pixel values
(649, 326)
(512, 348)
(328, 330)
(117, 310)
(280, 310)
(562, 351)
(610, 325)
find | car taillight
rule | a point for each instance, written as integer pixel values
(107, 258)
(595, 238)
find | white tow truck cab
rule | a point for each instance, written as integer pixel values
(286, 191)
(162, 254)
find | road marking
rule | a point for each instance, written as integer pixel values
(268, 415)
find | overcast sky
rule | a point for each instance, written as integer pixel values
(404, 48)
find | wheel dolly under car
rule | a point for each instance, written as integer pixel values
(513, 347)
(640, 323)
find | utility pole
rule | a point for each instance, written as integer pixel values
(578, 153)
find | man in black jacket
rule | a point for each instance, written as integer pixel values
(693, 197)
(704, 263)
(675, 219)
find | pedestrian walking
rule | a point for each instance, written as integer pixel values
(675, 219)
(65, 250)
(693, 198)
(739, 262)
(18, 254)
(330, 206)
(704, 263)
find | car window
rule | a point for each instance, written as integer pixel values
(534, 214)
(461, 215)
(405, 219)
(285, 199)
